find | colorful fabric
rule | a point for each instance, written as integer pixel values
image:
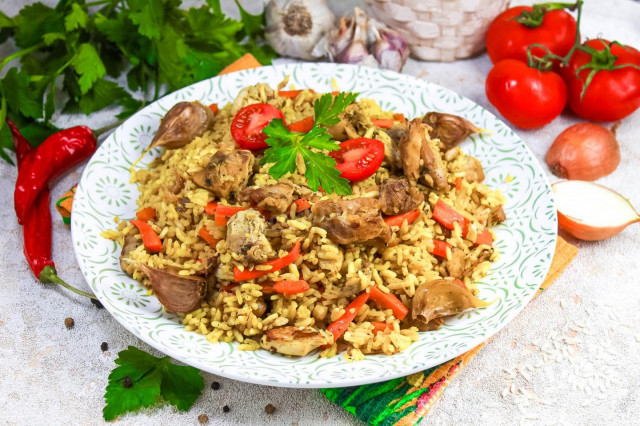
(402, 401)
(405, 401)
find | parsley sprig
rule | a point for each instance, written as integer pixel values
(320, 168)
(78, 51)
(141, 380)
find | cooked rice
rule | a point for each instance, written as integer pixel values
(400, 267)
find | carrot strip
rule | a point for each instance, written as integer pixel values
(379, 326)
(303, 126)
(210, 209)
(458, 183)
(335, 93)
(484, 237)
(440, 248)
(220, 220)
(276, 265)
(214, 108)
(151, 240)
(446, 216)
(229, 287)
(291, 287)
(389, 301)
(146, 214)
(399, 117)
(205, 235)
(385, 123)
(292, 93)
(397, 220)
(339, 326)
(302, 204)
(229, 211)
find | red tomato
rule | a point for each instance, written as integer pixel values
(247, 125)
(359, 158)
(509, 39)
(612, 94)
(525, 96)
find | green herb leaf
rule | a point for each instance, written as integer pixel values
(149, 16)
(253, 24)
(151, 379)
(285, 146)
(34, 21)
(20, 95)
(78, 18)
(101, 95)
(6, 143)
(89, 66)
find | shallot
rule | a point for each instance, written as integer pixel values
(584, 151)
(592, 212)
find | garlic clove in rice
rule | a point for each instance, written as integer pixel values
(388, 47)
(294, 27)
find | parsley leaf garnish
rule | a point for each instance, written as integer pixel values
(141, 380)
(285, 146)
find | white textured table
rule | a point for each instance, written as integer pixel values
(529, 373)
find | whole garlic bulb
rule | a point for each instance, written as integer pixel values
(387, 45)
(293, 27)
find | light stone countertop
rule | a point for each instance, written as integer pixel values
(529, 373)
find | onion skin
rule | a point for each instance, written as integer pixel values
(589, 233)
(584, 151)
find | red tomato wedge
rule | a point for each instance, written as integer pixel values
(247, 125)
(357, 159)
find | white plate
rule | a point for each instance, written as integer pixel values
(526, 240)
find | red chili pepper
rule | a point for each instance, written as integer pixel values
(58, 153)
(276, 264)
(339, 326)
(389, 301)
(36, 231)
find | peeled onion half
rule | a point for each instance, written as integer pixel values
(592, 212)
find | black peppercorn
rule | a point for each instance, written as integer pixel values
(104, 346)
(226, 409)
(215, 385)
(269, 409)
(127, 382)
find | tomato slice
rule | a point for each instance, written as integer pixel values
(247, 125)
(357, 159)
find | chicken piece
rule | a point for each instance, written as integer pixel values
(182, 124)
(415, 146)
(332, 263)
(455, 265)
(352, 123)
(496, 216)
(246, 236)
(473, 170)
(343, 130)
(483, 257)
(391, 151)
(350, 221)
(293, 340)
(276, 198)
(177, 293)
(226, 173)
(130, 244)
(397, 196)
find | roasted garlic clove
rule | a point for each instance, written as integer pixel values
(441, 298)
(182, 124)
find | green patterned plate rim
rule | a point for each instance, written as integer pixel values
(526, 240)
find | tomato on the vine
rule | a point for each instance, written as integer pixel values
(611, 94)
(247, 125)
(508, 37)
(359, 158)
(525, 96)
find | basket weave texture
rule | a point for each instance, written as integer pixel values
(439, 30)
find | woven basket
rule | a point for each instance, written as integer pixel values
(439, 30)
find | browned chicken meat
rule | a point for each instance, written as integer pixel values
(276, 198)
(182, 124)
(473, 170)
(351, 122)
(246, 236)
(130, 244)
(414, 146)
(350, 221)
(177, 293)
(496, 216)
(226, 173)
(293, 340)
(397, 196)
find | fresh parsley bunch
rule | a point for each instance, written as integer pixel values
(79, 49)
(285, 146)
(142, 380)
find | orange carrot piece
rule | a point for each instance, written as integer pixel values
(379, 326)
(146, 214)
(460, 283)
(339, 326)
(458, 183)
(446, 216)
(399, 117)
(397, 220)
(229, 211)
(303, 126)
(440, 248)
(389, 301)
(151, 240)
(220, 220)
(210, 209)
(276, 264)
(229, 287)
(302, 204)
(205, 235)
(291, 287)
(291, 93)
(385, 123)
(484, 237)
(214, 108)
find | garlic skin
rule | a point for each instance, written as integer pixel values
(294, 27)
(388, 47)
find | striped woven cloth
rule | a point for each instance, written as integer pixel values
(402, 401)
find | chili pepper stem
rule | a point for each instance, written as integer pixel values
(49, 276)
